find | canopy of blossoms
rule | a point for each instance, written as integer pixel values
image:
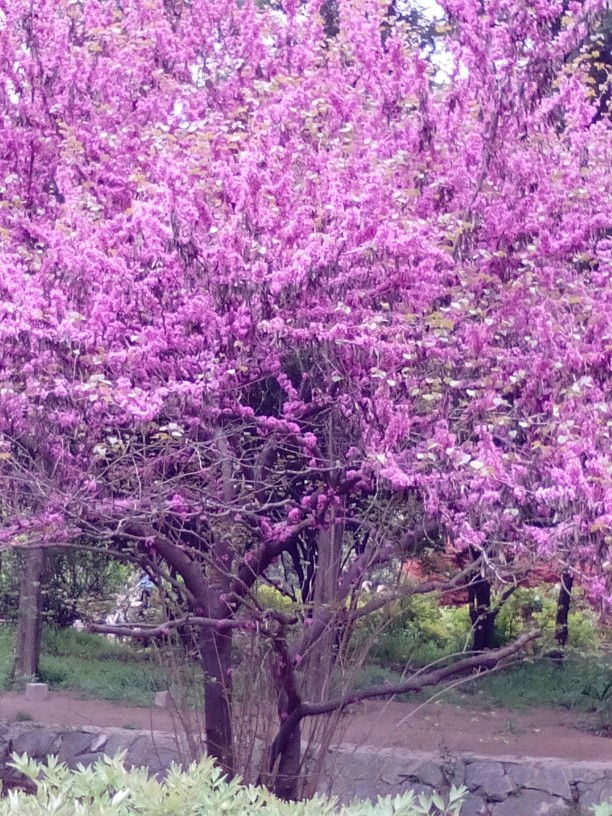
(205, 204)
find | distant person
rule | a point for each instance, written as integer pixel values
(146, 587)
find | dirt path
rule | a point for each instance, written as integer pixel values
(433, 727)
(490, 732)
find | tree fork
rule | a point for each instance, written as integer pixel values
(487, 660)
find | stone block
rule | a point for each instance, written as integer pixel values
(588, 772)
(594, 793)
(360, 789)
(163, 699)
(159, 765)
(474, 806)
(488, 778)
(430, 774)
(551, 779)
(454, 771)
(87, 759)
(73, 744)
(146, 750)
(36, 742)
(36, 692)
(119, 740)
(531, 803)
(99, 742)
(519, 772)
(417, 789)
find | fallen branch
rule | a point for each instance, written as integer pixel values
(148, 630)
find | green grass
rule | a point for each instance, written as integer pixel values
(86, 645)
(579, 682)
(583, 683)
(90, 665)
(7, 644)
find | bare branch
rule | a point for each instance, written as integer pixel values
(486, 660)
(147, 630)
(483, 660)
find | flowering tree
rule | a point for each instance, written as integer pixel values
(270, 291)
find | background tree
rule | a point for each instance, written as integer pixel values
(29, 618)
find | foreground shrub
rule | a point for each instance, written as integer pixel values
(108, 788)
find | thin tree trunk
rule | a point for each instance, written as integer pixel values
(321, 655)
(331, 18)
(216, 661)
(286, 749)
(29, 621)
(481, 615)
(563, 607)
(289, 752)
(289, 767)
(216, 643)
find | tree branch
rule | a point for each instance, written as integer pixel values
(487, 660)
(148, 630)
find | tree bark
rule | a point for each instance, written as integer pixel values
(321, 655)
(434, 677)
(29, 622)
(289, 766)
(216, 661)
(331, 18)
(563, 607)
(481, 615)
(214, 641)
(289, 750)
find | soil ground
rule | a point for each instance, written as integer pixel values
(437, 727)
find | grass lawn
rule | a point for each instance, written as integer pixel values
(94, 665)
(581, 682)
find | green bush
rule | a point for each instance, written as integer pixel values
(75, 584)
(416, 631)
(272, 598)
(107, 788)
(70, 643)
(538, 607)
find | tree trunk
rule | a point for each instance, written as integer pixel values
(289, 765)
(563, 607)
(29, 621)
(216, 661)
(287, 747)
(321, 655)
(481, 615)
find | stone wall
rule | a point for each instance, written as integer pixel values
(503, 786)
(86, 745)
(497, 787)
